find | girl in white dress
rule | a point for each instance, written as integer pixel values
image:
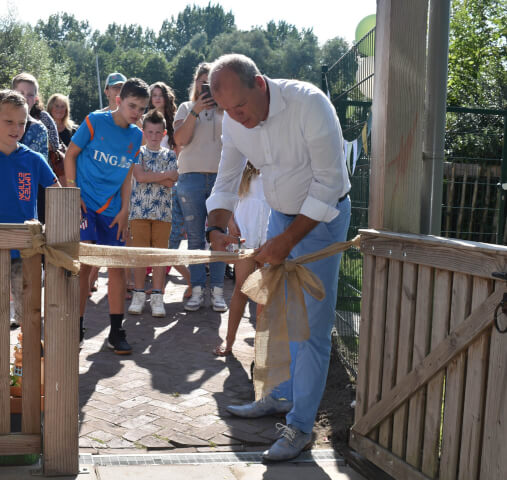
(250, 223)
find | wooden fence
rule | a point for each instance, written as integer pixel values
(432, 367)
(59, 441)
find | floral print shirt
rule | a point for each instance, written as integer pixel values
(36, 138)
(152, 201)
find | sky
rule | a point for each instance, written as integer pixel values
(328, 18)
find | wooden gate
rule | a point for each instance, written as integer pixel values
(432, 382)
(59, 441)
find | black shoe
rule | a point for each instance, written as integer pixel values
(117, 341)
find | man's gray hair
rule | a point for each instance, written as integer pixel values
(243, 66)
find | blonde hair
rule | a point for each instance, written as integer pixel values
(202, 69)
(248, 173)
(63, 98)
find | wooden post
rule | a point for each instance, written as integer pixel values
(5, 279)
(61, 340)
(398, 106)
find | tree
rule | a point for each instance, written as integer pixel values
(22, 50)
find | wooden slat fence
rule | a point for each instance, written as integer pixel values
(432, 380)
(61, 320)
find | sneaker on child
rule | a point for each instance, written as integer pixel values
(217, 299)
(196, 301)
(117, 341)
(157, 305)
(137, 304)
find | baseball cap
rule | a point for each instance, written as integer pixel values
(115, 78)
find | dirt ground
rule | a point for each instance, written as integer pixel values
(335, 415)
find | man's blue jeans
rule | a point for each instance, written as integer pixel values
(193, 190)
(310, 359)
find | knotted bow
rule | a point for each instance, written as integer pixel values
(284, 318)
(63, 255)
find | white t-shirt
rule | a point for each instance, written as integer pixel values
(202, 154)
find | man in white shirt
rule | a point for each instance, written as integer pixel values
(289, 130)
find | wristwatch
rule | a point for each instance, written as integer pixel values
(194, 113)
(211, 229)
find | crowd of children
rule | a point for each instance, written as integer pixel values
(124, 159)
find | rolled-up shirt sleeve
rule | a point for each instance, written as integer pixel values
(324, 140)
(230, 170)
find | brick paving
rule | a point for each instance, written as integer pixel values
(171, 393)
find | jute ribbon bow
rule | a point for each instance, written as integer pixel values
(284, 318)
(60, 254)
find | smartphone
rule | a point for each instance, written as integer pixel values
(207, 92)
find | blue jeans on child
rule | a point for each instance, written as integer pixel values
(193, 191)
(310, 359)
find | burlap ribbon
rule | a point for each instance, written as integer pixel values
(284, 317)
(279, 288)
(63, 255)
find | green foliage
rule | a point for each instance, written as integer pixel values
(22, 50)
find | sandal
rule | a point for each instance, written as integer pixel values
(222, 351)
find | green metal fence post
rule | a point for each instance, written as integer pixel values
(503, 187)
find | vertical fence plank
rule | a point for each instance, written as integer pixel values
(434, 392)
(422, 329)
(5, 279)
(378, 319)
(61, 339)
(455, 382)
(31, 327)
(364, 337)
(475, 388)
(405, 347)
(391, 342)
(494, 457)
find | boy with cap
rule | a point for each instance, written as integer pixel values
(100, 160)
(114, 82)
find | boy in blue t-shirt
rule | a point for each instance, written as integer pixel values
(99, 161)
(22, 171)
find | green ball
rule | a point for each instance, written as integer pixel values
(363, 27)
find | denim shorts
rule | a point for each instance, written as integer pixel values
(94, 227)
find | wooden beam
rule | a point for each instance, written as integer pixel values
(383, 458)
(61, 340)
(31, 327)
(472, 258)
(397, 115)
(455, 342)
(20, 444)
(5, 280)
(15, 235)
(494, 458)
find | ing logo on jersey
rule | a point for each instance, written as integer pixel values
(24, 186)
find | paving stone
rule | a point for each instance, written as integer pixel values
(167, 406)
(211, 431)
(140, 432)
(120, 443)
(204, 421)
(154, 442)
(134, 402)
(106, 407)
(104, 390)
(182, 440)
(249, 438)
(94, 412)
(101, 397)
(85, 442)
(100, 435)
(137, 422)
(195, 402)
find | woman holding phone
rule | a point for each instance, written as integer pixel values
(198, 131)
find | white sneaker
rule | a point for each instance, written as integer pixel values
(138, 299)
(217, 299)
(157, 305)
(196, 301)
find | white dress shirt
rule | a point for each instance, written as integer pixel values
(298, 149)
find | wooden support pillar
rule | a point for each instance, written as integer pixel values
(61, 339)
(397, 115)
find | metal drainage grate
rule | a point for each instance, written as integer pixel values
(201, 458)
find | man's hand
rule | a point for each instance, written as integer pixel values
(122, 221)
(219, 241)
(274, 251)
